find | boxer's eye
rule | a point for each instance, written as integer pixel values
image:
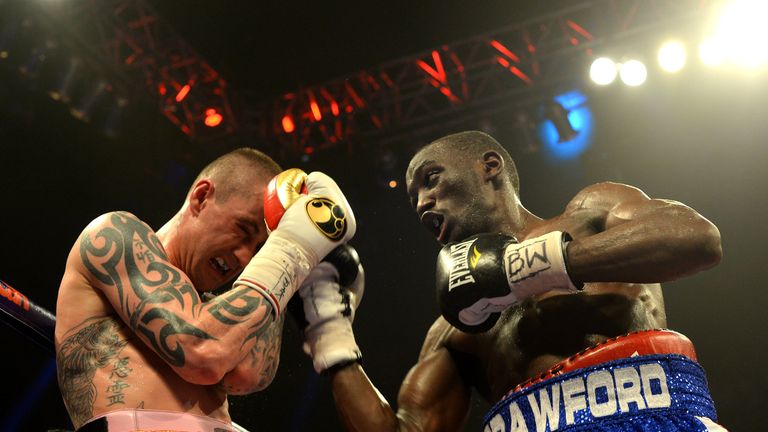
(431, 178)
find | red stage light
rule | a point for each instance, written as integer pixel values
(182, 93)
(212, 117)
(316, 114)
(335, 108)
(288, 125)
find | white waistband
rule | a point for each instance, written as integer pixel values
(135, 420)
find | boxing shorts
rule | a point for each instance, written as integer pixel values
(141, 420)
(643, 381)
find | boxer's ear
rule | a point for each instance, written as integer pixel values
(493, 165)
(200, 195)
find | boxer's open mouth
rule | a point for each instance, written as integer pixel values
(220, 265)
(434, 222)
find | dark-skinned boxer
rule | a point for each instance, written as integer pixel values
(551, 319)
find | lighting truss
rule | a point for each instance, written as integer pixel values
(460, 80)
(129, 39)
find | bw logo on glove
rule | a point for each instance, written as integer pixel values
(328, 217)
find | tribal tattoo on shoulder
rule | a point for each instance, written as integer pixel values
(93, 347)
(157, 284)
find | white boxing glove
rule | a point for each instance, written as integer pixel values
(310, 223)
(331, 294)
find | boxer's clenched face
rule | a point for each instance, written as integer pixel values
(226, 236)
(448, 193)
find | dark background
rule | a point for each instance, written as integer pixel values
(699, 138)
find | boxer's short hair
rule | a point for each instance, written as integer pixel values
(236, 171)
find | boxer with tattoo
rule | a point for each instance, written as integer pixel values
(136, 345)
(558, 321)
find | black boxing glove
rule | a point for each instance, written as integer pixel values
(485, 274)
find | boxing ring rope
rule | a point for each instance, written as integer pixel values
(26, 317)
(34, 322)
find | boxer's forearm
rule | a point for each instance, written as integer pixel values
(661, 242)
(360, 405)
(432, 398)
(257, 370)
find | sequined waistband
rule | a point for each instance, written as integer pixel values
(618, 388)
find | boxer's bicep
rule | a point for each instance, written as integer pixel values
(639, 239)
(434, 395)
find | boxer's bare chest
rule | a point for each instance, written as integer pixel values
(534, 335)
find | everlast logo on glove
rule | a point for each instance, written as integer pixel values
(328, 217)
(460, 260)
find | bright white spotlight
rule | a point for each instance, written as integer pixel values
(603, 71)
(672, 56)
(633, 73)
(741, 33)
(712, 52)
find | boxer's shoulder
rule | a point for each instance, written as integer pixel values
(604, 196)
(115, 219)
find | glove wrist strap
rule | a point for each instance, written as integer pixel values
(276, 272)
(538, 264)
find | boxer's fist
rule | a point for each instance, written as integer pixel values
(485, 274)
(319, 220)
(330, 296)
(305, 227)
(282, 191)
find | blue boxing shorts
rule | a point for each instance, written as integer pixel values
(643, 381)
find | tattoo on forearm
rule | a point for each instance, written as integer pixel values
(130, 243)
(78, 358)
(226, 310)
(268, 345)
(264, 357)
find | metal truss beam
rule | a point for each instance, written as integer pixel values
(129, 39)
(459, 80)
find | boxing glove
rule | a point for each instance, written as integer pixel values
(485, 274)
(282, 191)
(313, 219)
(330, 296)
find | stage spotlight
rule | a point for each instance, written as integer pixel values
(392, 184)
(183, 92)
(603, 71)
(212, 117)
(559, 117)
(633, 73)
(672, 56)
(712, 52)
(576, 104)
(288, 125)
(741, 28)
